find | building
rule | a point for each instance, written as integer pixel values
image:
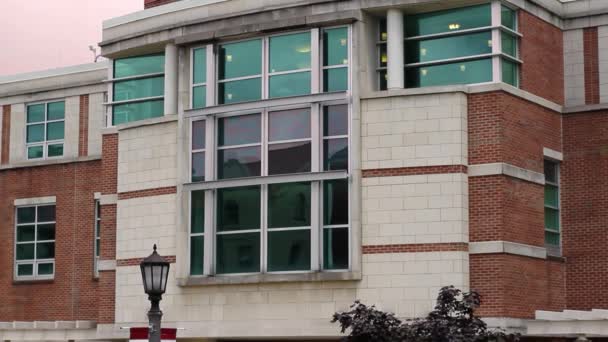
(291, 156)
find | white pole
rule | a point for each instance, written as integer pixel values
(171, 71)
(395, 49)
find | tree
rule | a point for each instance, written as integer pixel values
(452, 320)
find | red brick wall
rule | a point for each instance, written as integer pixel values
(592, 71)
(154, 3)
(542, 53)
(83, 126)
(584, 189)
(72, 294)
(5, 134)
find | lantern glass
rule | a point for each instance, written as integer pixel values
(154, 271)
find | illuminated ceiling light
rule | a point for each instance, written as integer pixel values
(343, 41)
(490, 43)
(463, 67)
(454, 26)
(303, 49)
(423, 52)
(383, 36)
(229, 96)
(424, 72)
(383, 58)
(228, 58)
(345, 61)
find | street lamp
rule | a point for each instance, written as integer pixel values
(154, 272)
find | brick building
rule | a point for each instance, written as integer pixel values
(290, 157)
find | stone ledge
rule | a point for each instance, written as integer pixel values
(269, 278)
(48, 325)
(48, 162)
(34, 201)
(493, 169)
(507, 247)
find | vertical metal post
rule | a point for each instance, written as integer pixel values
(154, 318)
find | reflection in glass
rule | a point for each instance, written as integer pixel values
(289, 250)
(289, 158)
(288, 205)
(239, 162)
(289, 124)
(238, 208)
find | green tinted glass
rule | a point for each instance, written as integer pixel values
(26, 233)
(448, 20)
(35, 113)
(55, 130)
(551, 196)
(335, 154)
(199, 66)
(197, 248)
(238, 253)
(198, 166)
(552, 238)
(26, 215)
(240, 91)
(289, 250)
(45, 232)
(137, 111)
(382, 80)
(239, 162)
(25, 270)
(199, 97)
(238, 130)
(238, 208)
(240, 59)
(448, 47)
(25, 251)
(141, 65)
(335, 79)
(383, 54)
(55, 150)
(56, 110)
(552, 219)
(510, 74)
(509, 44)
(335, 248)
(288, 205)
(45, 269)
(335, 202)
(137, 89)
(455, 73)
(289, 52)
(34, 152)
(45, 250)
(35, 133)
(335, 46)
(197, 209)
(507, 17)
(550, 171)
(289, 84)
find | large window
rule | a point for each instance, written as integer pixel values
(35, 242)
(138, 88)
(97, 239)
(45, 130)
(467, 45)
(285, 225)
(552, 207)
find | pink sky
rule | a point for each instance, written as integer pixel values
(44, 34)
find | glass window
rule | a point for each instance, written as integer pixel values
(289, 65)
(198, 151)
(448, 21)
(199, 78)
(552, 206)
(291, 84)
(239, 146)
(45, 129)
(335, 59)
(448, 47)
(137, 89)
(477, 71)
(510, 72)
(130, 112)
(289, 145)
(35, 242)
(508, 17)
(197, 232)
(140, 65)
(97, 240)
(240, 71)
(335, 137)
(335, 225)
(509, 44)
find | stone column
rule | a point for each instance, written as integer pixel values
(171, 72)
(395, 49)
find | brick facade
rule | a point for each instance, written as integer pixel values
(83, 126)
(592, 71)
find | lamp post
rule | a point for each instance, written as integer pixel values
(154, 272)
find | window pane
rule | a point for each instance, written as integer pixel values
(35, 133)
(289, 250)
(55, 150)
(289, 52)
(26, 215)
(289, 158)
(552, 219)
(238, 253)
(34, 152)
(56, 110)
(335, 248)
(507, 17)
(238, 208)
(25, 251)
(288, 205)
(137, 111)
(335, 120)
(198, 134)
(383, 78)
(289, 124)
(45, 250)
(509, 44)
(35, 113)
(335, 46)
(550, 171)
(552, 238)
(25, 270)
(335, 202)
(239, 162)
(335, 79)
(46, 213)
(240, 91)
(199, 66)
(551, 196)
(198, 166)
(335, 154)
(510, 74)
(448, 21)
(289, 84)
(199, 97)
(26, 233)
(197, 209)
(54, 130)
(137, 89)
(240, 59)
(46, 232)
(197, 247)
(383, 56)
(238, 130)
(45, 269)
(448, 47)
(382, 32)
(455, 73)
(141, 65)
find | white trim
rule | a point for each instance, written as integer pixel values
(507, 247)
(106, 265)
(70, 70)
(108, 199)
(507, 170)
(263, 180)
(35, 201)
(552, 154)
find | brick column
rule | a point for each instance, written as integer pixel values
(592, 71)
(83, 126)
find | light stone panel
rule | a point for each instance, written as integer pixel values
(574, 67)
(147, 157)
(17, 143)
(602, 38)
(72, 119)
(96, 123)
(414, 130)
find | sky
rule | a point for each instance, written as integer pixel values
(45, 34)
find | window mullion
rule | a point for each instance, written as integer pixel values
(315, 122)
(211, 84)
(496, 41)
(315, 61)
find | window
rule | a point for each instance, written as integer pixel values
(280, 226)
(35, 242)
(199, 77)
(97, 241)
(456, 46)
(45, 130)
(552, 206)
(198, 151)
(335, 59)
(138, 88)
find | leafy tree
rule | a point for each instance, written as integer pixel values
(452, 320)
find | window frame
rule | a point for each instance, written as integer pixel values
(45, 143)
(554, 249)
(322, 67)
(35, 261)
(97, 238)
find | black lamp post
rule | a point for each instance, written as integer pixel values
(154, 272)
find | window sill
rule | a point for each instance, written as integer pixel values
(269, 278)
(33, 281)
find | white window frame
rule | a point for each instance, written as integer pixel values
(551, 248)
(34, 262)
(337, 66)
(45, 143)
(97, 238)
(209, 73)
